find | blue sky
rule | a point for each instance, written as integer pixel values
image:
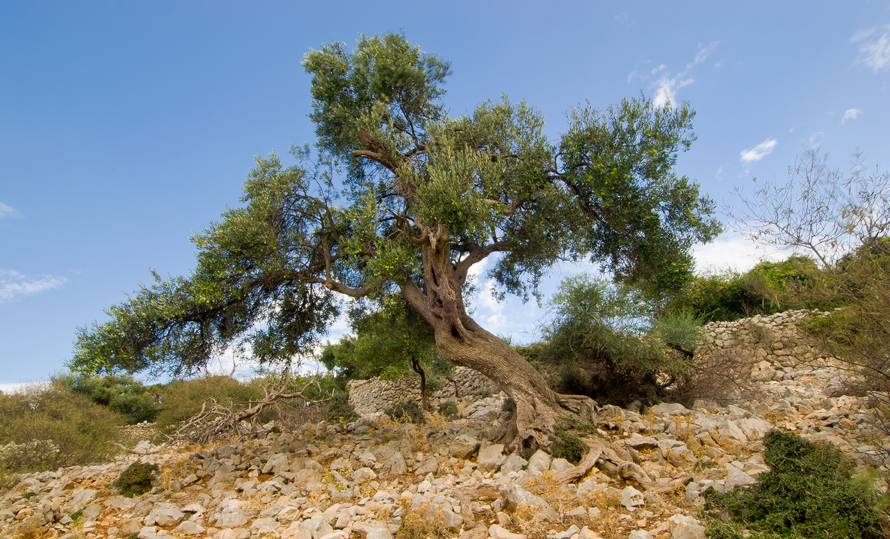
(127, 126)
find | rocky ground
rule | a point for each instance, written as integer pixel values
(376, 478)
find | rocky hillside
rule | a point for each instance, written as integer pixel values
(376, 478)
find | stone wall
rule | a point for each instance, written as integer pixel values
(375, 395)
(772, 344)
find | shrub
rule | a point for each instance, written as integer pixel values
(407, 410)
(602, 339)
(448, 409)
(809, 491)
(137, 479)
(339, 409)
(566, 445)
(120, 393)
(51, 428)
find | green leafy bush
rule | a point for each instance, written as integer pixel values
(339, 409)
(120, 393)
(602, 340)
(407, 410)
(448, 409)
(50, 428)
(137, 479)
(809, 492)
(566, 445)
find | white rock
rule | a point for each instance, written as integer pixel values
(686, 527)
(560, 465)
(639, 534)
(498, 532)
(632, 498)
(539, 463)
(491, 457)
(188, 527)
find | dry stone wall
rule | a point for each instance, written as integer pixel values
(774, 344)
(376, 394)
(779, 353)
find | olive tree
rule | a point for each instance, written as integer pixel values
(424, 197)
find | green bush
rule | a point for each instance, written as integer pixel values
(52, 428)
(407, 410)
(602, 339)
(809, 491)
(120, 393)
(137, 479)
(566, 445)
(448, 409)
(339, 409)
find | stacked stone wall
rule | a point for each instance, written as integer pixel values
(376, 394)
(773, 344)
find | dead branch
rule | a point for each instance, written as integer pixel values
(224, 422)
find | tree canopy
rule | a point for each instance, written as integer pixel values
(400, 197)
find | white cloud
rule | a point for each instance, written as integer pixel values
(6, 211)
(667, 86)
(666, 89)
(487, 300)
(731, 251)
(758, 152)
(14, 284)
(816, 139)
(873, 52)
(851, 114)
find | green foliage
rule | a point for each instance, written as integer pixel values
(339, 409)
(52, 428)
(137, 479)
(567, 445)
(679, 330)
(407, 410)
(390, 340)
(767, 288)
(809, 491)
(603, 341)
(425, 195)
(448, 409)
(182, 399)
(120, 393)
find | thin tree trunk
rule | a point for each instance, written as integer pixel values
(419, 370)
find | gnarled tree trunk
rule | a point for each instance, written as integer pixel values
(465, 343)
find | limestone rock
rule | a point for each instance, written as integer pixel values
(491, 457)
(686, 527)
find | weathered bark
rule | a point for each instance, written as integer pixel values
(464, 343)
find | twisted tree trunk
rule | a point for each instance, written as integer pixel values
(465, 343)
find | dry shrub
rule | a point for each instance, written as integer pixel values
(721, 375)
(182, 399)
(421, 523)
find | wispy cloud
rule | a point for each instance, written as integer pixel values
(6, 211)
(758, 152)
(874, 47)
(667, 85)
(851, 114)
(14, 284)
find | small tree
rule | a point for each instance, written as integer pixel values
(387, 342)
(427, 196)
